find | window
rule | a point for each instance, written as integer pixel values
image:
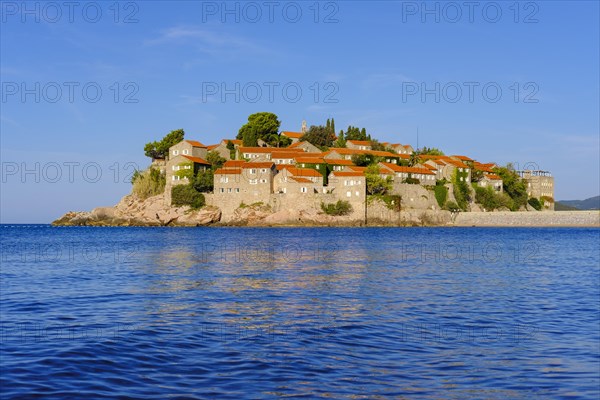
(303, 190)
(263, 181)
(175, 152)
(348, 193)
(357, 193)
(228, 190)
(224, 179)
(187, 166)
(303, 165)
(284, 190)
(186, 152)
(263, 170)
(318, 167)
(246, 155)
(222, 190)
(173, 168)
(237, 190)
(253, 171)
(253, 181)
(175, 178)
(461, 178)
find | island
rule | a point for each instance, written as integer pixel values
(315, 177)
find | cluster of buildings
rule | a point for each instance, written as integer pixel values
(302, 171)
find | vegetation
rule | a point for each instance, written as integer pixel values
(148, 183)
(452, 206)
(364, 160)
(231, 147)
(462, 192)
(204, 180)
(263, 126)
(352, 133)
(412, 181)
(375, 183)
(535, 203)
(186, 195)
(392, 201)
(340, 208)
(432, 151)
(513, 186)
(441, 193)
(160, 149)
(490, 199)
(321, 136)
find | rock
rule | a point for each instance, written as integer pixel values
(131, 211)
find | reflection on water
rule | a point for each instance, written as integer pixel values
(342, 313)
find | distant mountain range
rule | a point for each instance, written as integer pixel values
(593, 203)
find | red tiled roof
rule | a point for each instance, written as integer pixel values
(228, 171)
(463, 158)
(234, 164)
(337, 161)
(493, 177)
(309, 160)
(293, 135)
(412, 170)
(195, 143)
(212, 146)
(285, 155)
(255, 149)
(197, 160)
(302, 171)
(258, 164)
(358, 169)
(348, 173)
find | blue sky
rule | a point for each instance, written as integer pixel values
(392, 67)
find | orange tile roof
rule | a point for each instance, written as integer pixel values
(359, 169)
(337, 161)
(258, 164)
(286, 150)
(285, 155)
(302, 171)
(228, 171)
(255, 149)
(309, 160)
(463, 158)
(348, 173)
(293, 135)
(360, 142)
(346, 151)
(195, 143)
(234, 164)
(412, 170)
(212, 146)
(493, 177)
(197, 160)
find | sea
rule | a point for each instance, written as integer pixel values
(336, 313)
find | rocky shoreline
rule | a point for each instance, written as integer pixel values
(131, 211)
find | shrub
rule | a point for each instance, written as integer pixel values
(462, 193)
(441, 194)
(340, 208)
(547, 199)
(452, 206)
(412, 181)
(148, 183)
(535, 203)
(186, 195)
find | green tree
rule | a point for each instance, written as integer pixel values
(413, 160)
(340, 141)
(204, 181)
(321, 136)
(513, 186)
(215, 160)
(332, 125)
(375, 183)
(363, 160)
(263, 126)
(231, 147)
(354, 133)
(432, 151)
(160, 149)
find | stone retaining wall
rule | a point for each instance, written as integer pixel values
(525, 218)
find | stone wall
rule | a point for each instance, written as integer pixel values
(531, 218)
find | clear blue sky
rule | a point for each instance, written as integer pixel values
(370, 62)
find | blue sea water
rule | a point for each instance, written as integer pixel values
(425, 313)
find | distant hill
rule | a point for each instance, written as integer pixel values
(593, 203)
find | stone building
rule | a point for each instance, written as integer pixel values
(539, 183)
